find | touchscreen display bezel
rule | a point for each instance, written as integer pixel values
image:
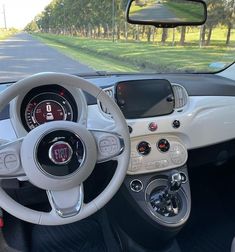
(145, 98)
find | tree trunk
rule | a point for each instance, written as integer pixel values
(209, 36)
(107, 30)
(99, 31)
(164, 35)
(173, 37)
(228, 35)
(149, 34)
(118, 32)
(154, 33)
(126, 31)
(137, 33)
(202, 35)
(182, 37)
(143, 32)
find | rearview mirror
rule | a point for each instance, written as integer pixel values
(166, 13)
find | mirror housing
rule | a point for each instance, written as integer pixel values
(166, 13)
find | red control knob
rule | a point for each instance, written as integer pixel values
(163, 145)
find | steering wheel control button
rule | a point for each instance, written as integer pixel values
(11, 161)
(144, 148)
(136, 185)
(163, 145)
(109, 146)
(60, 153)
(153, 126)
(176, 124)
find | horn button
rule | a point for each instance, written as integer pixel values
(60, 153)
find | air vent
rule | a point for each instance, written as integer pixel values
(181, 96)
(110, 93)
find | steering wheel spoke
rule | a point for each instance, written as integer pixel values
(109, 145)
(10, 164)
(66, 203)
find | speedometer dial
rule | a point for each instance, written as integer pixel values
(46, 107)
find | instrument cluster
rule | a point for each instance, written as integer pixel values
(47, 104)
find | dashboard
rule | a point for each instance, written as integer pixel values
(167, 115)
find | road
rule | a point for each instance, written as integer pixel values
(23, 55)
(155, 12)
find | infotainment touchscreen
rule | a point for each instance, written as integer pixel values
(145, 98)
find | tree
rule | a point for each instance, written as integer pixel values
(215, 10)
(32, 27)
(229, 19)
(182, 37)
(164, 35)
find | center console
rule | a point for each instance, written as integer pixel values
(150, 209)
(154, 202)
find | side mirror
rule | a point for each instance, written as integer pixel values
(167, 13)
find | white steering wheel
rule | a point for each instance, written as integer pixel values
(59, 156)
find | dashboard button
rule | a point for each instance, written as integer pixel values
(150, 166)
(176, 124)
(130, 129)
(178, 154)
(163, 145)
(177, 160)
(153, 126)
(144, 148)
(136, 185)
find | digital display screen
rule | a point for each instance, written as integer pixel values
(145, 98)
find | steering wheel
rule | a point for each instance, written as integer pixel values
(59, 156)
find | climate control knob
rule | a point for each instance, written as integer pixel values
(144, 148)
(163, 145)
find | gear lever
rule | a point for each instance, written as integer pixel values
(166, 202)
(174, 182)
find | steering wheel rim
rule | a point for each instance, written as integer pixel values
(52, 218)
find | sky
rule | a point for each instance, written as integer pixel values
(20, 12)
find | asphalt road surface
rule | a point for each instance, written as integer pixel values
(157, 11)
(23, 55)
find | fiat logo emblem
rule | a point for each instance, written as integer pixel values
(60, 153)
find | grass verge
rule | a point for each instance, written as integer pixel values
(4, 34)
(187, 12)
(89, 58)
(131, 56)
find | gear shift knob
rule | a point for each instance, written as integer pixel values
(174, 182)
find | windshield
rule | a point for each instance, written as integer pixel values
(77, 36)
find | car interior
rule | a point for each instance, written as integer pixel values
(120, 161)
